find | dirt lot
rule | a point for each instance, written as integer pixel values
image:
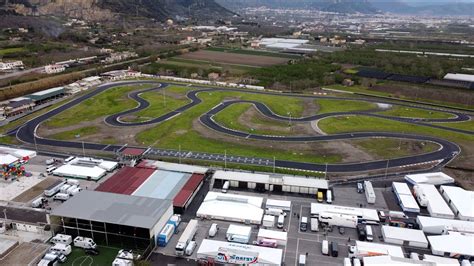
(33, 192)
(232, 58)
(24, 254)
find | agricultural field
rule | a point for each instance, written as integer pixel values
(234, 58)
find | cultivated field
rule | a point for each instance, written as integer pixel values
(234, 58)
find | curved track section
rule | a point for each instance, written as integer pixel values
(448, 150)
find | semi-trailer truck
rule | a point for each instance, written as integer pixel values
(186, 237)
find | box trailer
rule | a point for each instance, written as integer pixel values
(186, 237)
(337, 219)
(369, 192)
(268, 221)
(279, 236)
(238, 233)
(367, 249)
(52, 190)
(404, 236)
(165, 235)
(278, 204)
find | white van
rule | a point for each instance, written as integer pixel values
(369, 233)
(325, 247)
(213, 230)
(64, 189)
(329, 196)
(275, 212)
(62, 239)
(347, 262)
(225, 187)
(50, 169)
(61, 197)
(190, 248)
(414, 256)
(314, 224)
(302, 260)
(61, 248)
(281, 221)
(356, 262)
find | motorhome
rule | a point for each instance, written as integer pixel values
(61, 238)
(84, 242)
(225, 187)
(329, 196)
(281, 221)
(61, 197)
(369, 232)
(61, 248)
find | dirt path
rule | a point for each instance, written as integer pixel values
(35, 191)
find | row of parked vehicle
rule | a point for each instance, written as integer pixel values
(62, 248)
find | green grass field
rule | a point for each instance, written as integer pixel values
(402, 111)
(11, 50)
(228, 118)
(330, 106)
(79, 258)
(468, 125)
(71, 134)
(333, 125)
(160, 103)
(232, 68)
(106, 103)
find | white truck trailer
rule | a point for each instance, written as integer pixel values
(238, 233)
(369, 192)
(337, 219)
(367, 249)
(186, 237)
(279, 236)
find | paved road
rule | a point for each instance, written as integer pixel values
(442, 156)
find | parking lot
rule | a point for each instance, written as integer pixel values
(298, 242)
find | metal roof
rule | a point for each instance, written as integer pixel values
(114, 208)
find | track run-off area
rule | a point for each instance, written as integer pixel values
(448, 150)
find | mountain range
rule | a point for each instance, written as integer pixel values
(424, 7)
(105, 9)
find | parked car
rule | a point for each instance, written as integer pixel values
(360, 187)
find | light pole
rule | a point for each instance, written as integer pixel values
(179, 154)
(289, 113)
(225, 159)
(83, 149)
(36, 145)
(386, 168)
(274, 164)
(164, 96)
(326, 171)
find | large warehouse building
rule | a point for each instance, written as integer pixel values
(146, 180)
(266, 182)
(112, 219)
(231, 207)
(460, 201)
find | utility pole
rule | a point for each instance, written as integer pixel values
(83, 149)
(326, 171)
(164, 96)
(225, 159)
(386, 168)
(274, 166)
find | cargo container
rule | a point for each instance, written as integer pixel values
(165, 235)
(369, 192)
(279, 236)
(238, 233)
(336, 219)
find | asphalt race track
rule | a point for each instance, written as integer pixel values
(448, 150)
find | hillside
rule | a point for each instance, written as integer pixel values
(108, 9)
